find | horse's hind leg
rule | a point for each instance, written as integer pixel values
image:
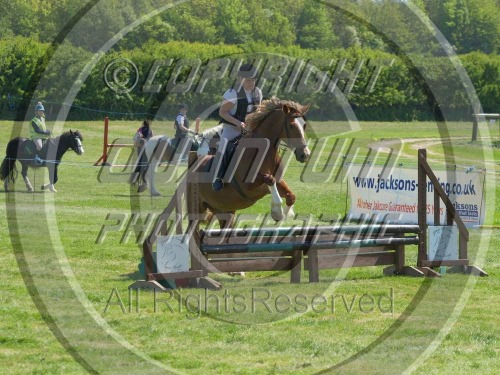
(226, 219)
(27, 182)
(149, 179)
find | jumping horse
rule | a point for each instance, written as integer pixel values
(23, 149)
(273, 122)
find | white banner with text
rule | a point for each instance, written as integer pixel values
(391, 194)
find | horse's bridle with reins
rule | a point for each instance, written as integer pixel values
(297, 115)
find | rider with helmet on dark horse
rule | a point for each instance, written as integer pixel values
(38, 131)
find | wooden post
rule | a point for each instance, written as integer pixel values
(193, 211)
(104, 157)
(197, 125)
(312, 254)
(296, 267)
(105, 144)
(400, 259)
(437, 208)
(422, 208)
(149, 266)
(474, 128)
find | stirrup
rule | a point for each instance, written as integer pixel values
(218, 184)
(38, 160)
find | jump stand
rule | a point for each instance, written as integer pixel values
(288, 248)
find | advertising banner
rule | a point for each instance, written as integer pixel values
(391, 194)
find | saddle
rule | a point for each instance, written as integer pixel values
(227, 157)
(30, 148)
(175, 142)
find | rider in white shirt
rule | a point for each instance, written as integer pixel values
(235, 107)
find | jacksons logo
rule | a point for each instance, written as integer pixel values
(398, 184)
(253, 301)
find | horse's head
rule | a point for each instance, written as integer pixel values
(75, 142)
(293, 132)
(282, 120)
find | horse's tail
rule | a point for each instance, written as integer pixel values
(8, 168)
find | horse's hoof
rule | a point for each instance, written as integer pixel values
(30, 190)
(142, 188)
(241, 274)
(277, 212)
(289, 212)
(155, 194)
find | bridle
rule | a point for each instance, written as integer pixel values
(286, 125)
(76, 144)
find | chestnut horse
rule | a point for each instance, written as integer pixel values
(256, 168)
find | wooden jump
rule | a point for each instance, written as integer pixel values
(311, 248)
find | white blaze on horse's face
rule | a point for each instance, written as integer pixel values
(302, 152)
(79, 146)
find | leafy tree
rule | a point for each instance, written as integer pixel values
(315, 30)
(233, 21)
(269, 26)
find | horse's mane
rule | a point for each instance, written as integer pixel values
(77, 133)
(268, 106)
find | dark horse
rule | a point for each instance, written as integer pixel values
(273, 121)
(21, 149)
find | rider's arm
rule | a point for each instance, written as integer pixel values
(224, 112)
(38, 130)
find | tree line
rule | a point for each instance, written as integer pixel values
(469, 25)
(305, 30)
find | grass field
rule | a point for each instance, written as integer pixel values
(59, 274)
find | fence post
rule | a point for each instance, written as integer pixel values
(422, 205)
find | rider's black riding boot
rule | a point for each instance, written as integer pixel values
(218, 184)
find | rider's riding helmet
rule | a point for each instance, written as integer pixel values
(39, 107)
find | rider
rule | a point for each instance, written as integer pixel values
(235, 106)
(142, 135)
(181, 125)
(38, 130)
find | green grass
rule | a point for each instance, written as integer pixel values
(45, 334)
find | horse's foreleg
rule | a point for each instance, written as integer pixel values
(50, 187)
(276, 203)
(289, 196)
(27, 182)
(149, 178)
(52, 179)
